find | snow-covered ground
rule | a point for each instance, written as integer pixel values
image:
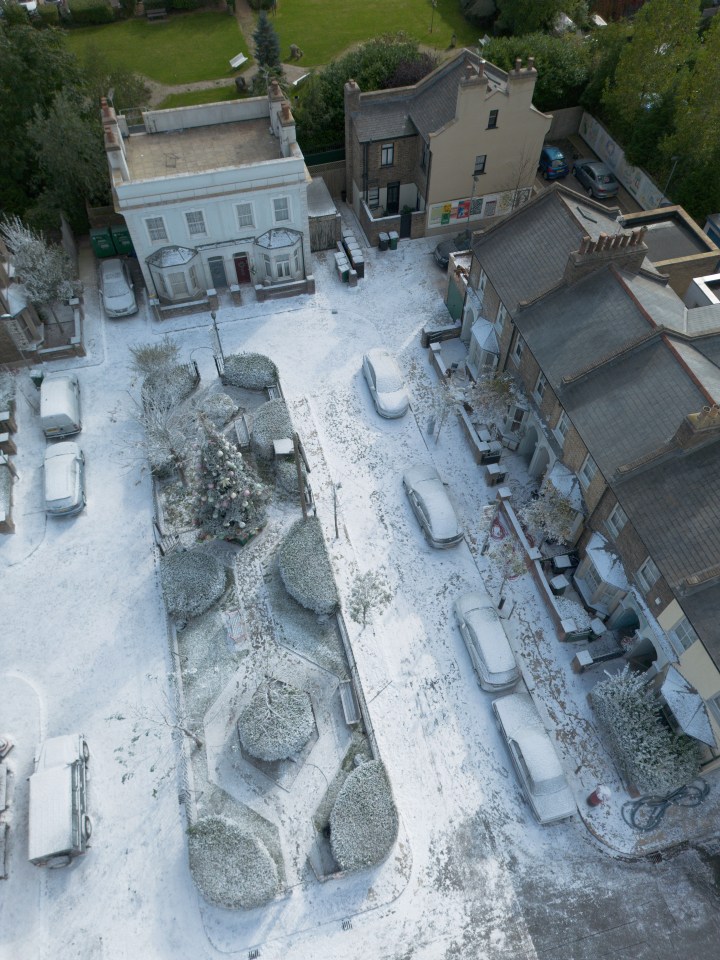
(85, 647)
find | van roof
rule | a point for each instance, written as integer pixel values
(57, 396)
(50, 824)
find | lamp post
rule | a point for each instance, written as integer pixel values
(433, 4)
(672, 171)
(213, 316)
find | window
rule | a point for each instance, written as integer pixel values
(282, 265)
(387, 154)
(540, 388)
(518, 351)
(268, 266)
(616, 521)
(373, 196)
(682, 636)
(296, 258)
(178, 285)
(587, 472)
(501, 315)
(425, 157)
(561, 427)
(245, 216)
(156, 229)
(492, 119)
(480, 164)
(195, 223)
(281, 208)
(647, 575)
(592, 579)
(714, 703)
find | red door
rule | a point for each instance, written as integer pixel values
(242, 268)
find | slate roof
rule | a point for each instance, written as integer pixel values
(525, 254)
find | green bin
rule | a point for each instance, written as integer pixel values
(121, 238)
(102, 242)
(393, 239)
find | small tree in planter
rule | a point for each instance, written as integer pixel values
(551, 515)
(509, 560)
(277, 723)
(370, 594)
(231, 498)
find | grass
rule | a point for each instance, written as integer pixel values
(191, 98)
(185, 48)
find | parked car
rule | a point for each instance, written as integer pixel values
(431, 505)
(385, 383)
(116, 289)
(553, 164)
(598, 179)
(484, 634)
(534, 758)
(460, 241)
(60, 414)
(64, 479)
(59, 826)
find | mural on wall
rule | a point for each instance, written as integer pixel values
(476, 208)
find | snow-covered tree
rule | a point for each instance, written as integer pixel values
(44, 269)
(231, 867)
(192, 580)
(305, 567)
(490, 395)
(370, 593)
(277, 723)
(551, 516)
(219, 409)
(165, 439)
(509, 560)
(364, 819)
(655, 759)
(230, 498)
(267, 48)
(253, 371)
(153, 359)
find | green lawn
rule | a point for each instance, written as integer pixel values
(192, 97)
(185, 48)
(323, 29)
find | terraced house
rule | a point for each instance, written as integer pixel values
(622, 387)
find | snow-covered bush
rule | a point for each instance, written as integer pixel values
(253, 371)
(150, 359)
(170, 386)
(286, 476)
(655, 759)
(218, 408)
(230, 867)
(231, 498)
(271, 422)
(305, 567)
(192, 580)
(551, 516)
(364, 820)
(277, 723)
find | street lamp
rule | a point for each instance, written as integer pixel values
(433, 4)
(213, 316)
(672, 171)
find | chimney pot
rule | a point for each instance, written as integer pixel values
(481, 68)
(518, 64)
(584, 244)
(531, 63)
(602, 243)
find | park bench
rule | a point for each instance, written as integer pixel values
(349, 703)
(159, 13)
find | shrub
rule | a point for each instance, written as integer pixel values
(192, 580)
(364, 820)
(655, 759)
(171, 386)
(230, 867)
(305, 567)
(277, 722)
(253, 371)
(286, 476)
(261, 4)
(84, 12)
(186, 4)
(272, 422)
(218, 408)
(49, 14)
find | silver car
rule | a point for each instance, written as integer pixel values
(598, 179)
(64, 479)
(484, 634)
(431, 505)
(385, 383)
(116, 289)
(534, 758)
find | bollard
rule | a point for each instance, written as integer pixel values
(599, 795)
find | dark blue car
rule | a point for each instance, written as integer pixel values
(553, 164)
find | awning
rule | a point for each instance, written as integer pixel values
(687, 707)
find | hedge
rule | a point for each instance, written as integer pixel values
(230, 867)
(85, 12)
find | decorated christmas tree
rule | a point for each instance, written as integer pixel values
(231, 498)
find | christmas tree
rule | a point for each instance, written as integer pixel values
(231, 498)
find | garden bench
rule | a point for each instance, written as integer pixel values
(242, 433)
(3, 850)
(160, 13)
(349, 703)
(238, 61)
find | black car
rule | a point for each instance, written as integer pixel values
(451, 245)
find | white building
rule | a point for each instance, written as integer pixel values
(213, 196)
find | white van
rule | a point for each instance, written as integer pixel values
(60, 407)
(59, 827)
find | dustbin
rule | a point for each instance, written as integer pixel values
(393, 239)
(383, 241)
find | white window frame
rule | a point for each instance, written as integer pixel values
(561, 428)
(587, 472)
(245, 204)
(282, 266)
(645, 572)
(500, 317)
(481, 285)
(373, 200)
(616, 521)
(541, 386)
(177, 284)
(480, 165)
(161, 231)
(387, 155)
(518, 350)
(714, 704)
(288, 209)
(682, 636)
(195, 227)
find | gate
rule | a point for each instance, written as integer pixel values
(405, 225)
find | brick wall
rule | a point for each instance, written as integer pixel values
(405, 162)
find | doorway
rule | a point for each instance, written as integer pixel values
(217, 272)
(392, 204)
(242, 267)
(405, 225)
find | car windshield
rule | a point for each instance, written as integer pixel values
(558, 162)
(606, 178)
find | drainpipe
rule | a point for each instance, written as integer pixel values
(366, 150)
